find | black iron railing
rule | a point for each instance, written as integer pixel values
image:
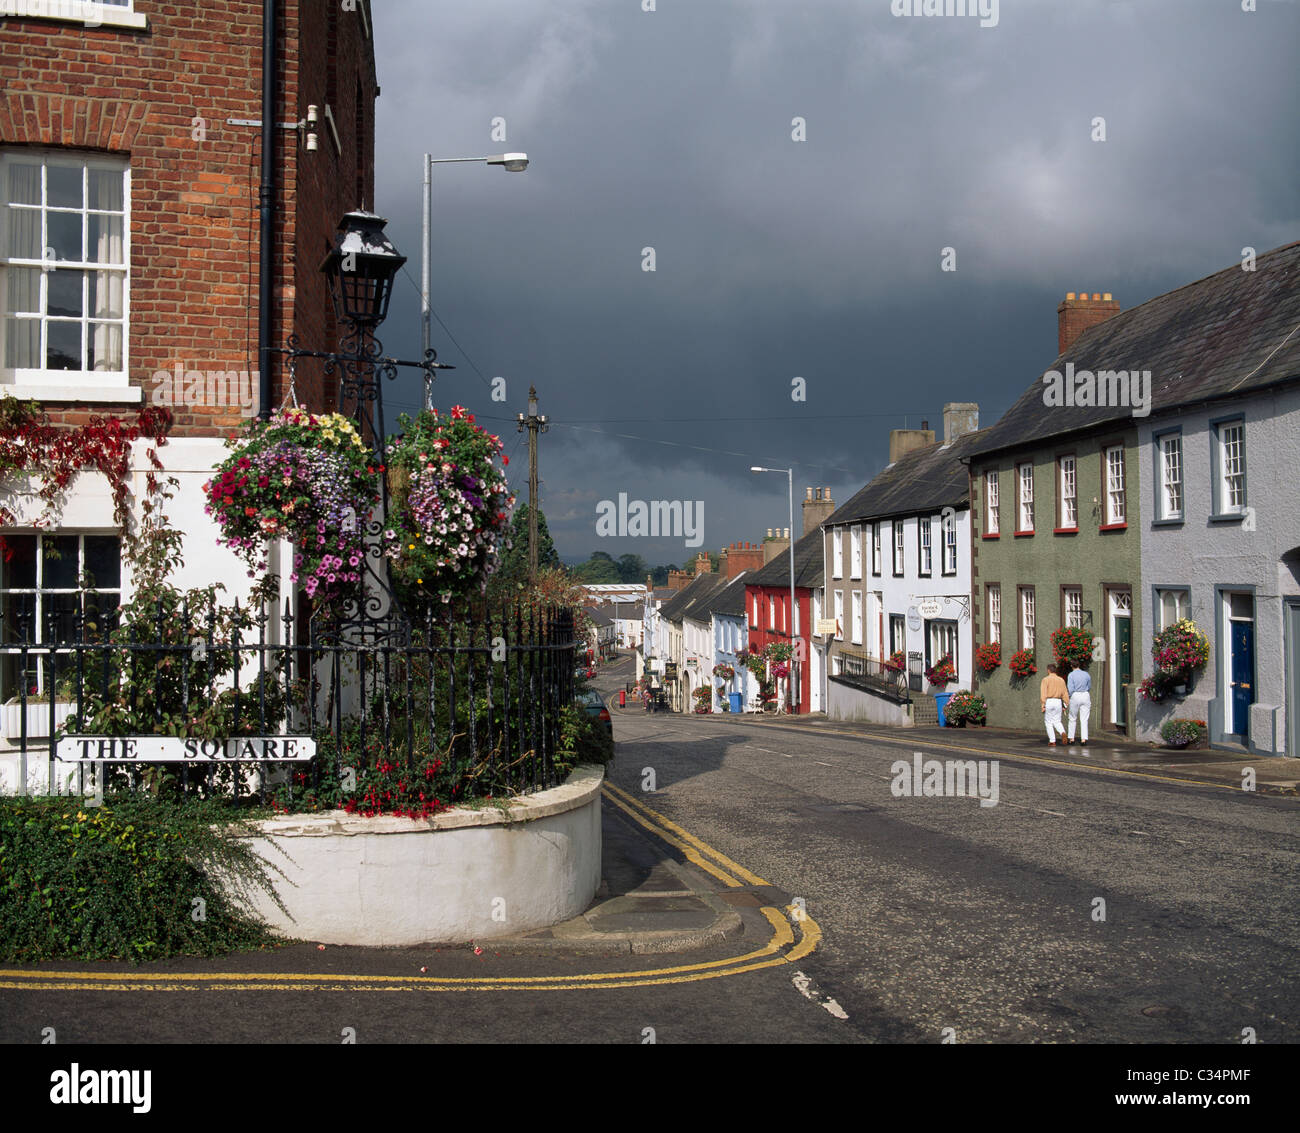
(484, 693)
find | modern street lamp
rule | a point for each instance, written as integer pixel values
(790, 478)
(512, 163)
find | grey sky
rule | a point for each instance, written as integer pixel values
(778, 258)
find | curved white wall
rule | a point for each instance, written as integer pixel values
(460, 876)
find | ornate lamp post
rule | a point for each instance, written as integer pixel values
(361, 268)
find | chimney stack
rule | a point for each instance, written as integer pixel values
(959, 418)
(741, 557)
(816, 509)
(903, 441)
(775, 544)
(702, 564)
(1079, 313)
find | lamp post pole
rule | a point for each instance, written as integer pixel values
(534, 424)
(512, 163)
(790, 483)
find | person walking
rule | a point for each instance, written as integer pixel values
(1079, 686)
(1052, 695)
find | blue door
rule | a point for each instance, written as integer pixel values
(1242, 676)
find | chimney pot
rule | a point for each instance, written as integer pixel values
(1069, 296)
(925, 424)
(808, 495)
(1106, 297)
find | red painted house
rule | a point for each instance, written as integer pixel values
(767, 606)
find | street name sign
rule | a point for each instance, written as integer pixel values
(175, 749)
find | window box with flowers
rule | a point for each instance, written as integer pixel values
(1074, 645)
(989, 656)
(941, 673)
(897, 661)
(450, 505)
(36, 709)
(1022, 664)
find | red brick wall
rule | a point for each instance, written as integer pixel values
(1076, 315)
(194, 219)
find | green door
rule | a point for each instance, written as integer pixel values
(1124, 670)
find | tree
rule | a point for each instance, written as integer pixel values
(514, 562)
(597, 569)
(631, 569)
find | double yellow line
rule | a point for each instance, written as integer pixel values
(781, 948)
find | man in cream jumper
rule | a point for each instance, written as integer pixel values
(1052, 695)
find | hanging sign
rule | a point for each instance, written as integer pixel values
(929, 607)
(174, 749)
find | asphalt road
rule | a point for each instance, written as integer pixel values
(941, 913)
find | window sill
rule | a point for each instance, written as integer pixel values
(92, 15)
(1113, 527)
(1179, 522)
(1065, 531)
(1228, 517)
(132, 395)
(993, 535)
(1023, 534)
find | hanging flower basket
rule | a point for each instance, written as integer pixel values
(724, 672)
(449, 505)
(942, 672)
(304, 478)
(1022, 664)
(897, 661)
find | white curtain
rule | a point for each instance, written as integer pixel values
(107, 194)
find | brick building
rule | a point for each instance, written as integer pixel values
(130, 182)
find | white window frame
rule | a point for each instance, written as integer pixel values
(1169, 464)
(855, 552)
(925, 549)
(939, 631)
(949, 542)
(1028, 638)
(92, 13)
(1230, 486)
(1067, 479)
(857, 616)
(900, 548)
(875, 549)
(1025, 497)
(1072, 598)
(1115, 494)
(837, 553)
(995, 611)
(991, 516)
(38, 382)
(839, 615)
(1182, 605)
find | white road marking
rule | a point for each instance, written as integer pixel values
(811, 991)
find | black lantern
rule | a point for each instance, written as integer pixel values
(361, 268)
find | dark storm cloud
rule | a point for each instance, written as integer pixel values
(818, 259)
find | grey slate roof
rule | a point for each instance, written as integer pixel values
(730, 600)
(672, 609)
(1224, 334)
(808, 565)
(699, 607)
(924, 480)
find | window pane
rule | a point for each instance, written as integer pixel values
(23, 292)
(25, 234)
(104, 239)
(65, 292)
(19, 572)
(60, 562)
(63, 186)
(22, 343)
(105, 190)
(60, 617)
(24, 183)
(63, 350)
(103, 562)
(105, 345)
(63, 232)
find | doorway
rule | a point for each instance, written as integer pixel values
(1120, 616)
(1239, 667)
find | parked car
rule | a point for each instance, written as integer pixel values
(594, 704)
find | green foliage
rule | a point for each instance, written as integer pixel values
(583, 739)
(514, 560)
(1074, 645)
(967, 705)
(135, 879)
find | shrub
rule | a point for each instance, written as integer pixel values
(989, 656)
(967, 705)
(134, 879)
(1180, 732)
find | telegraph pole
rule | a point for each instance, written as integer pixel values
(535, 425)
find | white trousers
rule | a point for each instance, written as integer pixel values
(1052, 718)
(1080, 710)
